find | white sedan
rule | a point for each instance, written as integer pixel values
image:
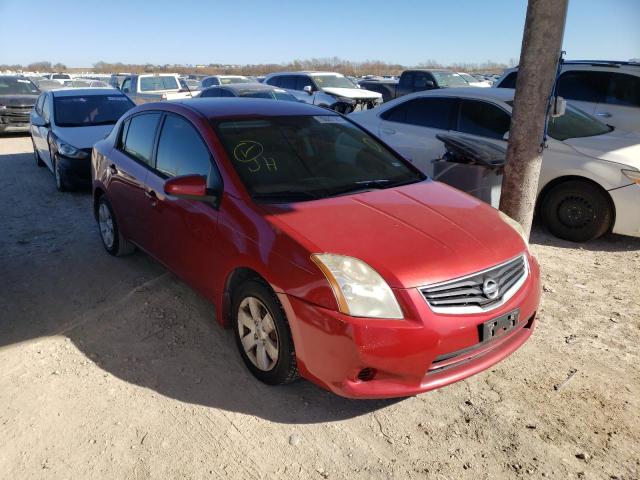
(590, 178)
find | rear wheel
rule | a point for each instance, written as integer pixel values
(112, 240)
(262, 334)
(576, 210)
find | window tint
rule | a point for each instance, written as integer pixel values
(288, 81)
(209, 82)
(396, 114)
(90, 110)
(483, 119)
(210, 92)
(304, 81)
(623, 89)
(406, 79)
(140, 136)
(275, 81)
(583, 86)
(181, 151)
(421, 79)
(509, 81)
(429, 112)
(226, 93)
(126, 84)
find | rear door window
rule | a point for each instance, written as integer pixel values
(483, 119)
(430, 112)
(583, 86)
(623, 89)
(139, 137)
(181, 150)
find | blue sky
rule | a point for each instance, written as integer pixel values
(80, 33)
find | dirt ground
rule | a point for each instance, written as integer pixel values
(111, 368)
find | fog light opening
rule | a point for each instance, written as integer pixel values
(366, 374)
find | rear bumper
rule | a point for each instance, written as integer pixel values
(420, 353)
(627, 204)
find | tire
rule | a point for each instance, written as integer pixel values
(62, 184)
(36, 155)
(112, 240)
(253, 337)
(576, 210)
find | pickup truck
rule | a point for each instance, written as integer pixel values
(153, 87)
(414, 81)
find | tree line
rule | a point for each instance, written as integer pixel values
(334, 64)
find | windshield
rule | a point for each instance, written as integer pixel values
(271, 94)
(90, 110)
(449, 79)
(332, 81)
(150, 84)
(298, 158)
(228, 80)
(575, 124)
(17, 86)
(468, 78)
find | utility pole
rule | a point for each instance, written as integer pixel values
(541, 47)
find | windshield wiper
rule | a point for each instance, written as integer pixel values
(366, 185)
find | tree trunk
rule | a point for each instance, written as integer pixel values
(541, 46)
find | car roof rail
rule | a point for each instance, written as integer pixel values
(601, 63)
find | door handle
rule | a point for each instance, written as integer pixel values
(113, 169)
(603, 114)
(387, 131)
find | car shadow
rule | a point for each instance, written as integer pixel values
(609, 242)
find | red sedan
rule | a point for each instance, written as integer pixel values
(330, 256)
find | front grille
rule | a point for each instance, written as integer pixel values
(480, 291)
(16, 114)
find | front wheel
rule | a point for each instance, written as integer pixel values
(576, 210)
(36, 155)
(262, 334)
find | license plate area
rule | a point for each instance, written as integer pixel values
(499, 326)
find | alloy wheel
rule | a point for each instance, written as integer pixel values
(258, 334)
(105, 221)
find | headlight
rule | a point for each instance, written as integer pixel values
(633, 175)
(2, 107)
(69, 151)
(513, 224)
(359, 289)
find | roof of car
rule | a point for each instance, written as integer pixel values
(75, 92)
(246, 87)
(225, 76)
(502, 94)
(305, 72)
(218, 108)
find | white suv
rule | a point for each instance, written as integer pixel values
(607, 89)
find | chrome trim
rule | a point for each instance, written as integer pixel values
(474, 308)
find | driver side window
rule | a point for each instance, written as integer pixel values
(126, 85)
(483, 119)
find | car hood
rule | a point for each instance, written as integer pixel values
(617, 146)
(18, 100)
(82, 137)
(355, 93)
(413, 235)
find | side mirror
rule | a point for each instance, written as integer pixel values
(38, 121)
(506, 135)
(125, 90)
(558, 107)
(429, 84)
(191, 187)
(308, 89)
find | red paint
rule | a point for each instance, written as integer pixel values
(413, 235)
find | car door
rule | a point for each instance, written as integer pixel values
(184, 230)
(412, 126)
(130, 163)
(583, 89)
(621, 104)
(43, 131)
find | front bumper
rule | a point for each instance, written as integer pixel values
(420, 353)
(76, 171)
(627, 204)
(14, 119)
